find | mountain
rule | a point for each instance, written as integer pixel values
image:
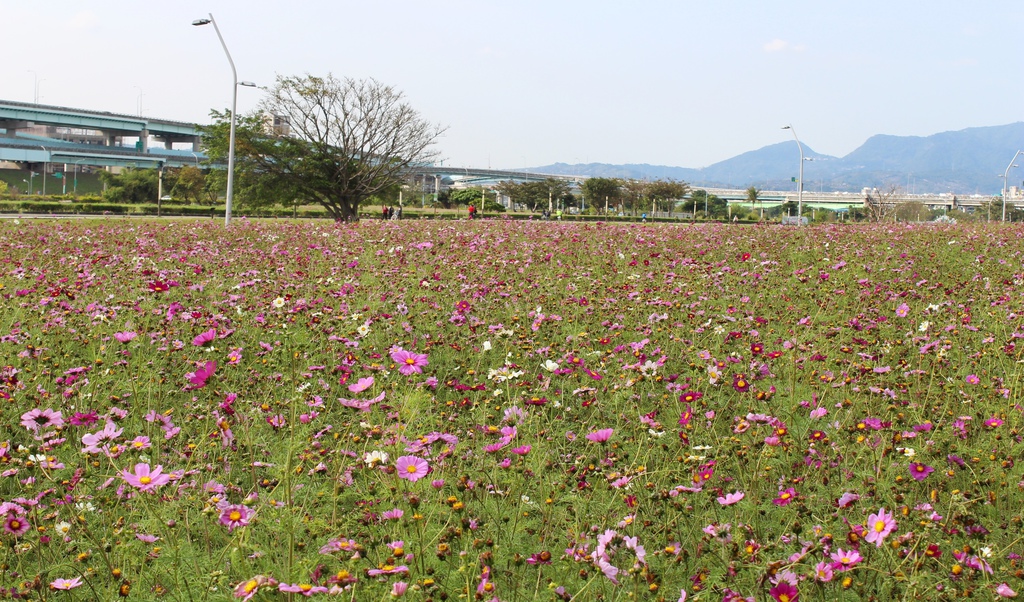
(969, 161)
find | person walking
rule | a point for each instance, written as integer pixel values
(472, 211)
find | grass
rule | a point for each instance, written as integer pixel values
(606, 411)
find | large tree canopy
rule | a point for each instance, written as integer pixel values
(348, 140)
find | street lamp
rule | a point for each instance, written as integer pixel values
(1006, 175)
(234, 104)
(800, 184)
(75, 189)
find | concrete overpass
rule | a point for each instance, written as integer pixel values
(45, 134)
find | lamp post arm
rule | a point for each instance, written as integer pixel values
(1006, 175)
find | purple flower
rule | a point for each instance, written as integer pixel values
(600, 436)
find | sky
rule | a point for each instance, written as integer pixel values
(524, 83)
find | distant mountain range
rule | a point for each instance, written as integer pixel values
(969, 161)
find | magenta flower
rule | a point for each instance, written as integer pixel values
(205, 337)
(409, 362)
(1005, 591)
(361, 385)
(879, 526)
(785, 497)
(731, 498)
(201, 375)
(993, 422)
(600, 436)
(15, 525)
(522, 450)
(234, 516)
(972, 379)
(144, 478)
(784, 592)
(66, 583)
(903, 310)
(920, 471)
(411, 468)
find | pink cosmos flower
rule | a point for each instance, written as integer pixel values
(731, 498)
(972, 379)
(235, 515)
(1005, 591)
(248, 588)
(125, 337)
(879, 526)
(993, 422)
(411, 468)
(144, 478)
(920, 471)
(36, 420)
(823, 572)
(785, 497)
(306, 589)
(844, 560)
(409, 362)
(903, 310)
(361, 385)
(522, 450)
(847, 499)
(600, 436)
(398, 589)
(388, 569)
(66, 583)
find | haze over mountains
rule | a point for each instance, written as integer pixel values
(970, 161)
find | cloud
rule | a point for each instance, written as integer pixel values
(778, 45)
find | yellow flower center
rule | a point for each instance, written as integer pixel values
(235, 515)
(410, 361)
(879, 526)
(250, 585)
(410, 468)
(305, 587)
(145, 480)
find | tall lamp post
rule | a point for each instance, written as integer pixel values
(1006, 175)
(800, 184)
(234, 103)
(75, 190)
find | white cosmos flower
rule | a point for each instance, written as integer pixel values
(549, 365)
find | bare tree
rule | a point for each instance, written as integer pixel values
(880, 206)
(348, 140)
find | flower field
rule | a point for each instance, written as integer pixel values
(499, 410)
